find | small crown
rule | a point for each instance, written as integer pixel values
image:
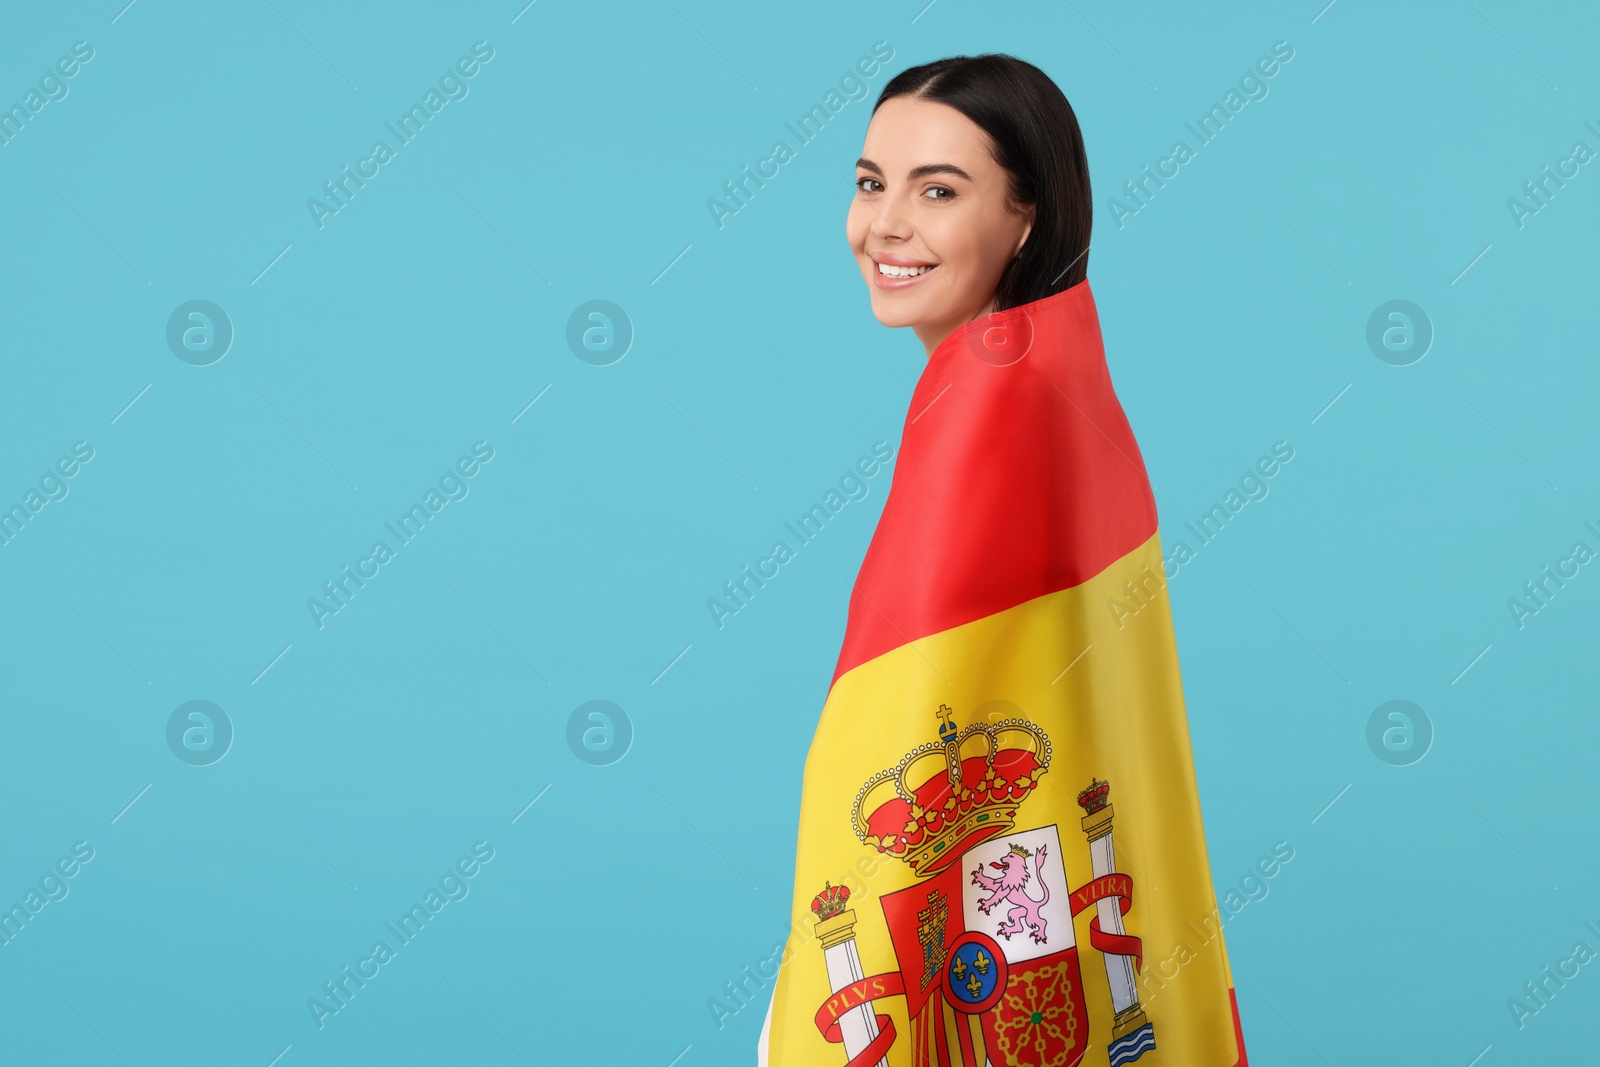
(830, 901)
(948, 795)
(1093, 798)
(1018, 850)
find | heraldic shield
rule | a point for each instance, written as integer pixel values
(988, 957)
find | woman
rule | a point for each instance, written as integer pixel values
(966, 891)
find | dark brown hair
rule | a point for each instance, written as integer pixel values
(1037, 141)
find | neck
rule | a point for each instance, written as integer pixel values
(932, 335)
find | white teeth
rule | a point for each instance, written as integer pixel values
(901, 272)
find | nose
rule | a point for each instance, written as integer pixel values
(890, 221)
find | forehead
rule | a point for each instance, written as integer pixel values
(910, 132)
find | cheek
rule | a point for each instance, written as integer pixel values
(856, 222)
(986, 245)
(957, 240)
(999, 233)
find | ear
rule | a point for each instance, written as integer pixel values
(1027, 228)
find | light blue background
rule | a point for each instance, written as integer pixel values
(427, 314)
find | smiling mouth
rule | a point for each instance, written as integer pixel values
(887, 270)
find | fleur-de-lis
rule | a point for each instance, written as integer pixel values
(981, 962)
(974, 986)
(959, 967)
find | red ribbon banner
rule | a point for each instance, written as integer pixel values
(888, 984)
(1119, 886)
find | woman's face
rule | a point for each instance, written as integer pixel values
(932, 224)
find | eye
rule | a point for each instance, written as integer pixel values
(939, 192)
(869, 185)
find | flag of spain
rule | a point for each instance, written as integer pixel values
(1001, 858)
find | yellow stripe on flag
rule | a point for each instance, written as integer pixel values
(1117, 715)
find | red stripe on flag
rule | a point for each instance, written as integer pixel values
(1238, 1030)
(1013, 481)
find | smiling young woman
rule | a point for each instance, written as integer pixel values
(994, 689)
(965, 160)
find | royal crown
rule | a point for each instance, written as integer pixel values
(1093, 798)
(830, 901)
(947, 795)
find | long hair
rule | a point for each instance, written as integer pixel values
(1037, 141)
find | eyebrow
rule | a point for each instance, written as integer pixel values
(917, 172)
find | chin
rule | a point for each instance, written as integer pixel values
(897, 309)
(889, 314)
